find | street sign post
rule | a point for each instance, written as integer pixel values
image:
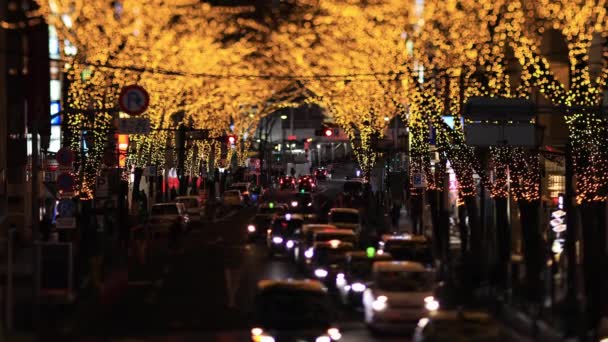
(66, 182)
(419, 180)
(134, 126)
(65, 157)
(133, 100)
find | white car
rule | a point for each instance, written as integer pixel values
(163, 215)
(307, 240)
(401, 294)
(194, 206)
(233, 198)
(345, 218)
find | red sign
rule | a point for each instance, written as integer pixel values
(65, 156)
(51, 165)
(292, 137)
(133, 100)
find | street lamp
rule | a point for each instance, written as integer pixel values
(283, 117)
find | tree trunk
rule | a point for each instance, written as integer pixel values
(470, 203)
(503, 242)
(594, 246)
(464, 230)
(433, 203)
(532, 248)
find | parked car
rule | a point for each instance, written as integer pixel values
(244, 188)
(233, 198)
(194, 207)
(293, 310)
(401, 294)
(163, 215)
(346, 218)
(321, 173)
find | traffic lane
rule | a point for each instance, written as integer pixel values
(181, 291)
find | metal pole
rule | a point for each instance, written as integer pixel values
(35, 212)
(571, 237)
(9, 282)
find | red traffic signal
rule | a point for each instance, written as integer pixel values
(328, 132)
(231, 139)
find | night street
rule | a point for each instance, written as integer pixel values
(303, 170)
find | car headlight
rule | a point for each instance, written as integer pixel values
(257, 335)
(289, 244)
(294, 204)
(309, 253)
(334, 333)
(251, 228)
(277, 239)
(358, 287)
(380, 303)
(431, 304)
(310, 204)
(323, 339)
(320, 273)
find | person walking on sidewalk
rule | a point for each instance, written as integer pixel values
(395, 216)
(175, 230)
(416, 212)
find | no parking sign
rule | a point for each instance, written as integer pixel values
(133, 99)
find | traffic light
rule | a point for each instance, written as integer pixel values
(325, 132)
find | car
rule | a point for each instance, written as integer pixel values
(345, 218)
(302, 203)
(195, 207)
(244, 188)
(306, 184)
(306, 240)
(293, 310)
(258, 226)
(321, 173)
(407, 247)
(287, 183)
(328, 259)
(283, 234)
(354, 187)
(462, 326)
(271, 209)
(163, 215)
(357, 276)
(233, 198)
(401, 294)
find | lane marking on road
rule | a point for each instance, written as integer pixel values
(233, 277)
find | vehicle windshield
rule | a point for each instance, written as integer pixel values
(409, 250)
(329, 236)
(189, 202)
(303, 197)
(344, 217)
(327, 256)
(293, 310)
(404, 281)
(284, 227)
(159, 210)
(464, 330)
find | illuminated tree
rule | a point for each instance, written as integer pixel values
(580, 99)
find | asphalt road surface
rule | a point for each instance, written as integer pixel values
(206, 292)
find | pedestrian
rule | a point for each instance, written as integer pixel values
(395, 215)
(174, 236)
(292, 172)
(416, 212)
